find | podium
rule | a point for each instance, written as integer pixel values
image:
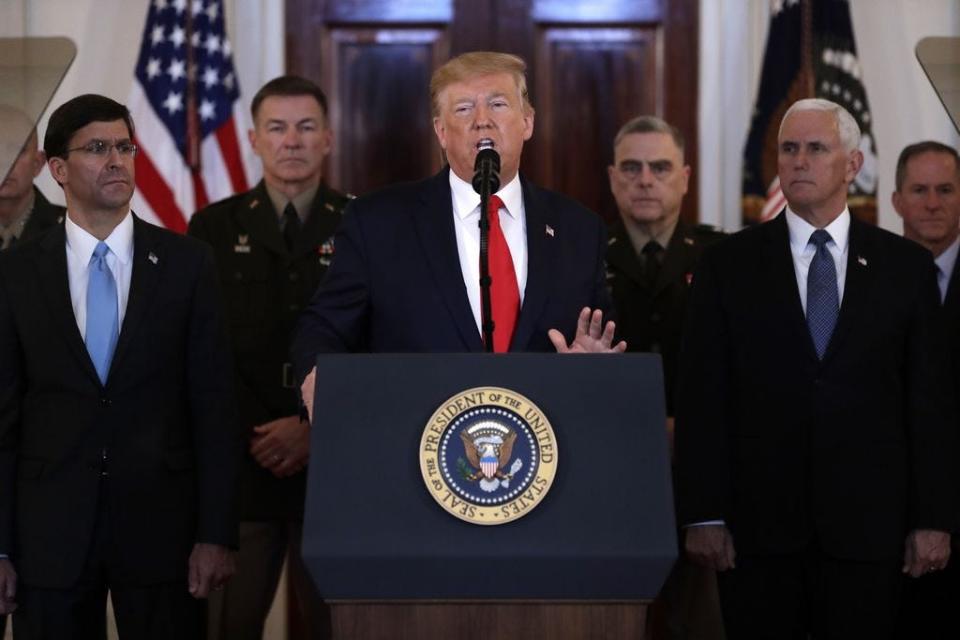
(393, 563)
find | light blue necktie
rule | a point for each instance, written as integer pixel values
(103, 325)
(823, 299)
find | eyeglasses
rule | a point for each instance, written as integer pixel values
(102, 148)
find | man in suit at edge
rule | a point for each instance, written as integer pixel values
(651, 256)
(24, 211)
(118, 451)
(272, 246)
(815, 438)
(927, 197)
(406, 275)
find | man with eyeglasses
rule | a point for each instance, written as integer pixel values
(651, 255)
(651, 252)
(118, 452)
(24, 211)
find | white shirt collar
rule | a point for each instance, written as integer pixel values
(800, 230)
(467, 201)
(948, 258)
(82, 243)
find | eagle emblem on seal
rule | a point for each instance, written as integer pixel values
(488, 446)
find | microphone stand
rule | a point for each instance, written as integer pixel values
(486, 181)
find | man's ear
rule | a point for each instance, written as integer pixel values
(440, 131)
(58, 169)
(895, 198)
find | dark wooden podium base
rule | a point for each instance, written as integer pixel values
(487, 620)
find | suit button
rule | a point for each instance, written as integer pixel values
(655, 347)
(106, 402)
(655, 318)
(294, 307)
(294, 276)
(238, 275)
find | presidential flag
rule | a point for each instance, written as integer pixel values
(810, 53)
(189, 120)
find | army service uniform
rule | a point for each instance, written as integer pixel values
(42, 216)
(265, 286)
(650, 314)
(650, 317)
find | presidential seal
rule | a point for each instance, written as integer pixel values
(488, 455)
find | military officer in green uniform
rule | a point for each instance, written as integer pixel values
(24, 211)
(651, 257)
(272, 246)
(652, 253)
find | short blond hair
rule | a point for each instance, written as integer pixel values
(476, 64)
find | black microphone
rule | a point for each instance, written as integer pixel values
(486, 169)
(486, 181)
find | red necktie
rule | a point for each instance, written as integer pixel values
(504, 293)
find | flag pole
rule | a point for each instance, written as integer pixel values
(190, 104)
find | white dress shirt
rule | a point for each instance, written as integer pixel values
(945, 262)
(466, 219)
(803, 251)
(80, 246)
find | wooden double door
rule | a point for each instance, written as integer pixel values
(592, 65)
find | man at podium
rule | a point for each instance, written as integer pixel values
(405, 277)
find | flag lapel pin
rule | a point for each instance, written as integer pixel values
(152, 257)
(862, 261)
(549, 231)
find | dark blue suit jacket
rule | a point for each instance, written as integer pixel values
(850, 452)
(162, 426)
(395, 284)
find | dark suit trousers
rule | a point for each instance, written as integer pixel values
(787, 597)
(163, 611)
(930, 602)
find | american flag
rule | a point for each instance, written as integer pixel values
(189, 120)
(810, 53)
